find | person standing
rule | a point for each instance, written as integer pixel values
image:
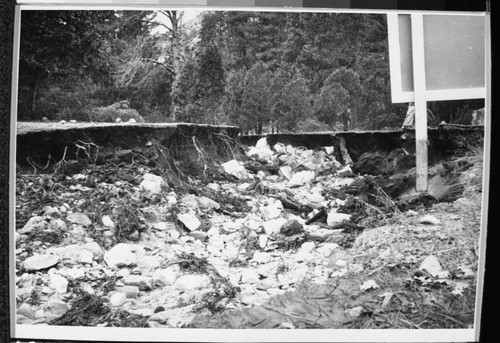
(409, 122)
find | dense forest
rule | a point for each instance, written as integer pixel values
(261, 71)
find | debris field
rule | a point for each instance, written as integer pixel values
(263, 237)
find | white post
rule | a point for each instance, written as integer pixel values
(419, 87)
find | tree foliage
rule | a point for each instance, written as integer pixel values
(285, 71)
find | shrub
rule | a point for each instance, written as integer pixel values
(312, 125)
(112, 112)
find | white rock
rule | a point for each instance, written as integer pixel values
(132, 120)
(52, 212)
(341, 263)
(432, 266)
(108, 222)
(190, 221)
(213, 231)
(55, 308)
(273, 226)
(190, 282)
(39, 262)
(118, 120)
(345, 172)
(117, 299)
(279, 148)
(301, 178)
(336, 218)
(430, 220)
(152, 183)
(190, 200)
(243, 187)
(148, 263)
(249, 276)
(26, 310)
(72, 121)
(208, 204)
(167, 276)
(120, 254)
(57, 224)
(76, 273)
(355, 312)
(85, 256)
(94, 248)
(271, 211)
(307, 247)
(79, 218)
(143, 282)
(263, 241)
(329, 149)
(261, 153)
(58, 283)
(234, 168)
(286, 172)
(369, 285)
(213, 186)
(129, 291)
(32, 223)
(261, 257)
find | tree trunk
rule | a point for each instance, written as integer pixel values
(175, 41)
(35, 90)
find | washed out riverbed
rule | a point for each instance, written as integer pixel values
(227, 236)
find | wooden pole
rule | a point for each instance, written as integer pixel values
(419, 86)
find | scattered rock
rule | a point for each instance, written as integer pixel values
(263, 241)
(120, 255)
(291, 227)
(432, 266)
(345, 172)
(286, 172)
(337, 218)
(94, 248)
(148, 263)
(143, 282)
(108, 222)
(272, 210)
(189, 282)
(117, 299)
(79, 218)
(166, 276)
(152, 183)
(370, 284)
(249, 276)
(131, 292)
(261, 257)
(39, 262)
(234, 168)
(190, 221)
(355, 312)
(429, 220)
(55, 308)
(26, 310)
(33, 222)
(273, 226)
(85, 256)
(208, 204)
(301, 178)
(58, 283)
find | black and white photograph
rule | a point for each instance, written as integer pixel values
(189, 168)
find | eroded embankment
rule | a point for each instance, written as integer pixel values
(194, 230)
